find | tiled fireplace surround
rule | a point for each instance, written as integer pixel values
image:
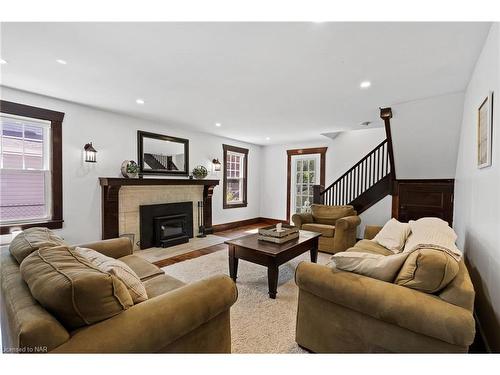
(121, 199)
(131, 197)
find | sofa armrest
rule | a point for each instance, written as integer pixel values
(153, 324)
(371, 231)
(301, 219)
(345, 233)
(407, 308)
(114, 248)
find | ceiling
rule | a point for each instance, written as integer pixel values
(286, 81)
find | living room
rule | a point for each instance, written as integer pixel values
(289, 187)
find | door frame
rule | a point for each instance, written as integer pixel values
(303, 151)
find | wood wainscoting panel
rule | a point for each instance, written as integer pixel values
(415, 199)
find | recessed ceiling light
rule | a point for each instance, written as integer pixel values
(218, 124)
(365, 84)
(62, 62)
(268, 138)
(2, 61)
(139, 101)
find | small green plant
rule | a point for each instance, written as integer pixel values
(132, 167)
(200, 172)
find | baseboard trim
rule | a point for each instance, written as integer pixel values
(241, 223)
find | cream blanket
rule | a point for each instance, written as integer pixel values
(432, 233)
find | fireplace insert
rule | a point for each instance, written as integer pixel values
(170, 230)
(163, 225)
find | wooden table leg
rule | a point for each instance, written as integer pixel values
(272, 280)
(314, 251)
(233, 263)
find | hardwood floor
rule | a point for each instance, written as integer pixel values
(230, 233)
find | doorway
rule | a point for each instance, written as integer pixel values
(306, 168)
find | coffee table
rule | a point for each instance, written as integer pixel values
(270, 255)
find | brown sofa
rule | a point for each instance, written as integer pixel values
(177, 318)
(337, 225)
(344, 312)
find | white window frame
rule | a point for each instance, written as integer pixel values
(46, 164)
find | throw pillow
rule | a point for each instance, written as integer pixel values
(32, 239)
(393, 235)
(76, 292)
(381, 267)
(116, 268)
(427, 270)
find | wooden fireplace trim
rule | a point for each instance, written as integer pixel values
(110, 188)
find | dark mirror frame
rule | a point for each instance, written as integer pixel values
(140, 152)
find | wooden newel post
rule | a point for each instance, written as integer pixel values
(317, 198)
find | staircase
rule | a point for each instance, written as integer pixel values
(160, 162)
(368, 181)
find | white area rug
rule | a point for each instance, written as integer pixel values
(258, 324)
(155, 254)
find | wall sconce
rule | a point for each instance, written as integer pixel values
(217, 165)
(90, 153)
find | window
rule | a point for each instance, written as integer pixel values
(30, 167)
(235, 176)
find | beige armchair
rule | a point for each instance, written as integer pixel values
(337, 225)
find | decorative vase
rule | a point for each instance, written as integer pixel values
(129, 169)
(200, 172)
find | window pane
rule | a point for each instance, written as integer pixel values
(33, 132)
(299, 165)
(12, 145)
(33, 162)
(233, 191)
(22, 195)
(311, 165)
(13, 161)
(33, 147)
(11, 129)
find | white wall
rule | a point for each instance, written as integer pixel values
(477, 192)
(343, 152)
(115, 138)
(425, 135)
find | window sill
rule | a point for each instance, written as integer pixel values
(51, 224)
(238, 205)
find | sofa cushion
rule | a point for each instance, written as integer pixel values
(141, 267)
(162, 284)
(427, 270)
(32, 239)
(324, 214)
(325, 229)
(377, 266)
(76, 292)
(369, 246)
(393, 235)
(116, 268)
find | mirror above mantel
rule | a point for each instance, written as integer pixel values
(160, 154)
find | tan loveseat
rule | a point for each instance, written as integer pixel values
(177, 318)
(344, 312)
(337, 225)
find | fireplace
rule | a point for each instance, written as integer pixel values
(164, 225)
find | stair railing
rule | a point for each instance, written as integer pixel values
(372, 168)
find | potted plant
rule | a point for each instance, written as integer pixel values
(129, 169)
(200, 172)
